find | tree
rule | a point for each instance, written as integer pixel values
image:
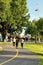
(40, 24)
(2, 9)
(32, 29)
(28, 28)
(19, 11)
(35, 28)
(4, 17)
(40, 28)
(13, 15)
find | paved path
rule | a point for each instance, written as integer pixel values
(20, 57)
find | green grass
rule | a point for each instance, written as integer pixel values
(37, 48)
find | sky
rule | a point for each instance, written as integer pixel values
(32, 5)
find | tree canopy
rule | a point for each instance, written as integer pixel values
(13, 15)
(35, 28)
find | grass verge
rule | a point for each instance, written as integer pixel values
(6, 43)
(37, 48)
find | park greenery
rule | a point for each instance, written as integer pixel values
(14, 16)
(35, 28)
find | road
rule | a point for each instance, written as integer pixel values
(13, 56)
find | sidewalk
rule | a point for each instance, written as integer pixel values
(25, 57)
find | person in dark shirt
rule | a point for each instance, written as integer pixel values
(17, 40)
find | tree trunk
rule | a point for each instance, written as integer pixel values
(39, 39)
(35, 39)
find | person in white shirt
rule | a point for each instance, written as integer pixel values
(22, 42)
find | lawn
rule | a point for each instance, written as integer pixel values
(37, 48)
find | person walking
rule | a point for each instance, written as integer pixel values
(22, 42)
(17, 40)
(14, 41)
